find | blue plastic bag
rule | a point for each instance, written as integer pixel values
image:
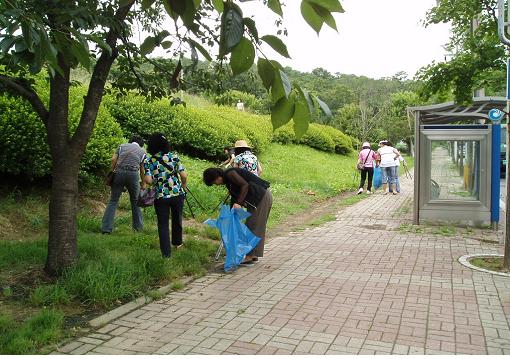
(377, 180)
(237, 239)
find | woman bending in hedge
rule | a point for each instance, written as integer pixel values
(164, 169)
(250, 191)
(245, 159)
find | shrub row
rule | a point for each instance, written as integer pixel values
(25, 150)
(197, 132)
(321, 137)
(204, 132)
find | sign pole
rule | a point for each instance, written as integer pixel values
(506, 258)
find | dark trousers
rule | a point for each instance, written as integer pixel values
(364, 172)
(163, 207)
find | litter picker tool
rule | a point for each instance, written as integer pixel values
(195, 198)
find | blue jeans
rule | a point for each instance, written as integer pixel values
(389, 174)
(131, 181)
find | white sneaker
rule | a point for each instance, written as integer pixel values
(360, 191)
(368, 192)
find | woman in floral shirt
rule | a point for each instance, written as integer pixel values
(245, 159)
(167, 174)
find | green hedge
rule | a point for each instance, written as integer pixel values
(24, 149)
(203, 132)
(198, 132)
(321, 137)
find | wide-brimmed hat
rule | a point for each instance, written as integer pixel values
(365, 144)
(241, 144)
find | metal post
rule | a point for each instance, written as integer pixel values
(495, 172)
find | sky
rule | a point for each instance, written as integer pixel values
(376, 38)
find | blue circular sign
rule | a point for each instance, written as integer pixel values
(496, 114)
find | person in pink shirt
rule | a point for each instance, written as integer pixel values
(366, 160)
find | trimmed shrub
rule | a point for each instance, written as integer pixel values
(258, 129)
(343, 143)
(317, 138)
(25, 150)
(321, 137)
(204, 132)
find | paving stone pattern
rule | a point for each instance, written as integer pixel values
(342, 288)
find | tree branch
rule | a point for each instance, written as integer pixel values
(98, 80)
(21, 88)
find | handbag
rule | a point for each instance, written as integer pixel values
(360, 166)
(146, 197)
(110, 177)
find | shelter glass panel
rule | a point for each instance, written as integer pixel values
(455, 170)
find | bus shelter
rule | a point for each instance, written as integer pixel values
(457, 162)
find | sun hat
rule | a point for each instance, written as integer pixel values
(365, 144)
(241, 144)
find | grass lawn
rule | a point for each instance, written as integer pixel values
(113, 269)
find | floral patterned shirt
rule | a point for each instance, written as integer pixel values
(247, 161)
(166, 182)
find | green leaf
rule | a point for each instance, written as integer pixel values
(242, 56)
(326, 16)
(281, 86)
(81, 52)
(169, 9)
(311, 17)
(189, 14)
(252, 27)
(282, 112)
(26, 30)
(200, 48)
(266, 72)
(330, 5)
(147, 4)
(277, 44)
(161, 36)
(101, 43)
(302, 114)
(275, 6)
(324, 107)
(232, 28)
(7, 43)
(218, 5)
(166, 44)
(178, 6)
(147, 46)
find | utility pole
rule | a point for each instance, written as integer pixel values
(503, 32)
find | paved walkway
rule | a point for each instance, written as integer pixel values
(342, 288)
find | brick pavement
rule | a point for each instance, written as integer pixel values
(342, 288)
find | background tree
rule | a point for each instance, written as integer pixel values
(60, 35)
(477, 56)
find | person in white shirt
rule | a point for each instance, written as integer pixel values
(388, 155)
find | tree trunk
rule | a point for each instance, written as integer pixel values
(62, 241)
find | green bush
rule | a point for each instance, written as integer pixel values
(25, 150)
(317, 138)
(321, 137)
(203, 132)
(257, 129)
(252, 103)
(343, 143)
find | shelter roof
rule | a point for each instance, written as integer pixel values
(449, 112)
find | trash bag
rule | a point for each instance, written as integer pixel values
(237, 239)
(377, 180)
